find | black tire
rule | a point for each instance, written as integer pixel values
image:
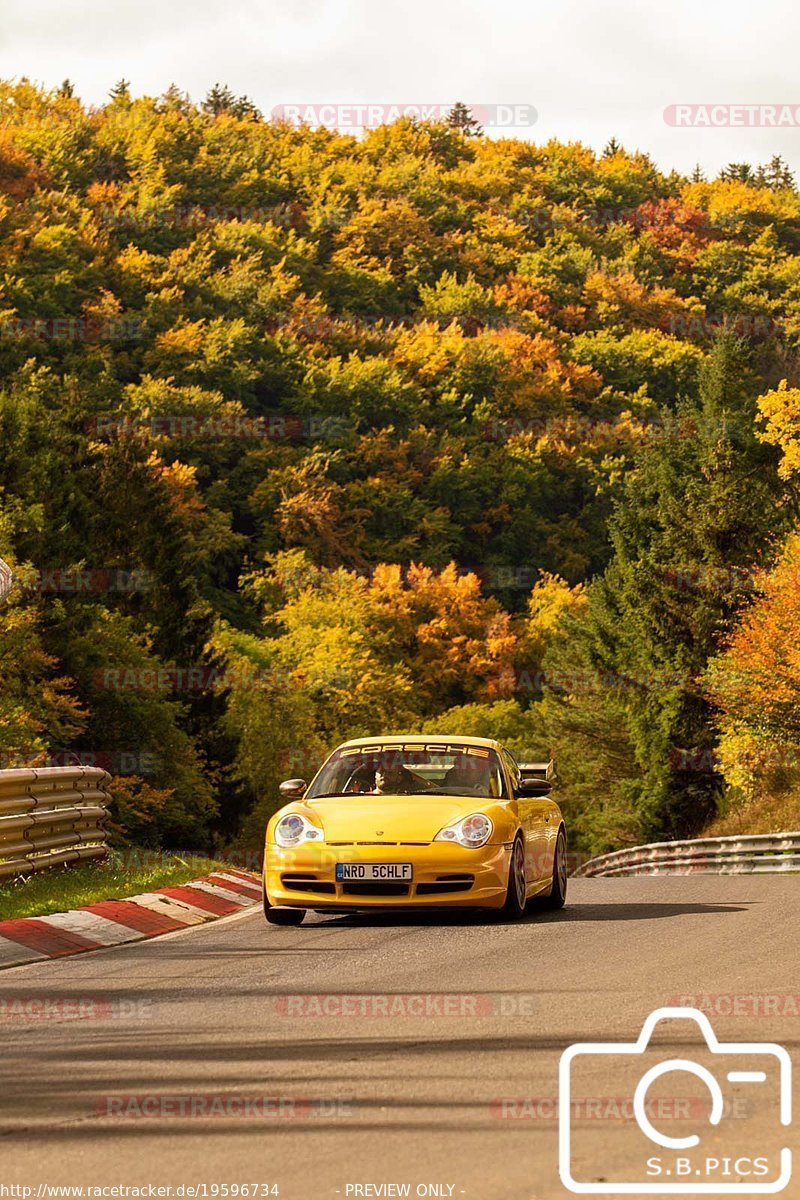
(514, 907)
(285, 916)
(280, 916)
(558, 892)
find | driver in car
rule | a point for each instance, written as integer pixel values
(392, 778)
(470, 775)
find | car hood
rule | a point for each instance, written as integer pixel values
(360, 818)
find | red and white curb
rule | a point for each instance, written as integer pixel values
(112, 922)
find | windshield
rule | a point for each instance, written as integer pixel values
(443, 769)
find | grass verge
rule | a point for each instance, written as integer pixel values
(767, 814)
(123, 874)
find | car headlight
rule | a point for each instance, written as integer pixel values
(472, 831)
(293, 829)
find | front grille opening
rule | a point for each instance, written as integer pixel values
(377, 843)
(446, 883)
(375, 889)
(307, 883)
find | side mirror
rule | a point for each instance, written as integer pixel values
(534, 787)
(293, 789)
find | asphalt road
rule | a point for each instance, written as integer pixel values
(460, 1096)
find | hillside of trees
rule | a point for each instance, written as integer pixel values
(305, 436)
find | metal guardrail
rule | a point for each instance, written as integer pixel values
(6, 579)
(759, 854)
(51, 816)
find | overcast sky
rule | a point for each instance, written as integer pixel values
(590, 69)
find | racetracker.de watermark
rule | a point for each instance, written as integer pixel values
(203, 427)
(611, 1109)
(198, 216)
(733, 116)
(78, 581)
(226, 1105)
(762, 1005)
(116, 762)
(413, 1005)
(372, 114)
(590, 682)
(206, 679)
(73, 329)
(74, 1008)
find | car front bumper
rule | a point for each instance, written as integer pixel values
(444, 875)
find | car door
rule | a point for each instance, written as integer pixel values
(535, 818)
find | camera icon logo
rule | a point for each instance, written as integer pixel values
(728, 1105)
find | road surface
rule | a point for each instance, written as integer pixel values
(164, 1079)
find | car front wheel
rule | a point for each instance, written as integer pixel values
(558, 893)
(280, 916)
(514, 906)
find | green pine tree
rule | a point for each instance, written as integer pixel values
(460, 117)
(738, 173)
(695, 511)
(221, 100)
(776, 175)
(120, 93)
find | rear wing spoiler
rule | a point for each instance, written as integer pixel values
(538, 770)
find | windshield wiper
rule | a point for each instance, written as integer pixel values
(328, 795)
(453, 791)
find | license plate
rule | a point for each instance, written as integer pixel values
(374, 872)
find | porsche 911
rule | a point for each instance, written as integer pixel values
(415, 822)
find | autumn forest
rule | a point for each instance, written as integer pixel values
(306, 435)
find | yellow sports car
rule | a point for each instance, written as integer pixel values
(394, 822)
